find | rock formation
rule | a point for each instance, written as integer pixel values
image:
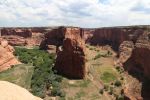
(11, 91)
(70, 59)
(71, 56)
(7, 59)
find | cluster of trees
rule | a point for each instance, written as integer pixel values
(44, 79)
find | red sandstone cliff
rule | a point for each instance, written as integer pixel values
(115, 36)
(23, 36)
(19, 32)
(70, 59)
(7, 59)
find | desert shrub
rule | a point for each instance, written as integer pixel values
(101, 91)
(117, 83)
(97, 56)
(91, 48)
(43, 76)
(120, 97)
(121, 78)
(110, 90)
(109, 53)
(119, 69)
(106, 87)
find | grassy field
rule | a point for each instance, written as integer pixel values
(19, 74)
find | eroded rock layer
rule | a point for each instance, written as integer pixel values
(115, 36)
(7, 59)
(23, 36)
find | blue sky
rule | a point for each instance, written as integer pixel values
(83, 13)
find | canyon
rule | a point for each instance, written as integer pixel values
(131, 44)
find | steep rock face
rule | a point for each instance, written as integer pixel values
(19, 32)
(125, 51)
(11, 91)
(114, 36)
(54, 37)
(7, 59)
(23, 36)
(138, 64)
(70, 59)
(15, 40)
(139, 60)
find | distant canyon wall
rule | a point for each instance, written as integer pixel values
(24, 36)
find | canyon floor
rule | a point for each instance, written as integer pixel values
(102, 73)
(104, 81)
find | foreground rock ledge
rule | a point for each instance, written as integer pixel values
(11, 91)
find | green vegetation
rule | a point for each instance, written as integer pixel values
(120, 97)
(117, 83)
(18, 74)
(108, 77)
(97, 56)
(43, 77)
(79, 95)
(102, 54)
(101, 91)
(119, 69)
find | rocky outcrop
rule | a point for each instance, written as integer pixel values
(70, 59)
(7, 59)
(11, 91)
(125, 51)
(54, 37)
(132, 88)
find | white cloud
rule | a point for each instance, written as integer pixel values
(83, 13)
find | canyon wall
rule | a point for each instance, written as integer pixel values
(23, 36)
(139, 60)
(7, 59)
(115, 36)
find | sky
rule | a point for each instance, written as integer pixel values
(81, 13)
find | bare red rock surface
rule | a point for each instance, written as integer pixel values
(23, 36)
(114, 36)
(7, 59)
(19, 32)
(70, 59)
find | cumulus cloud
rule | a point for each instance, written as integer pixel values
(83, 13)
